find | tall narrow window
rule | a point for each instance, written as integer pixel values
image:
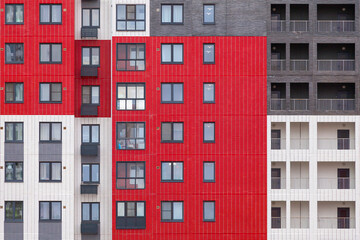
(90, 94)
(130, 57)
(90, 56)
(13, 211)
(172, 171)
(14, 132)
(50, 172)
(209, 92)
(172, 211)
(209, 171)
(172, 53)
(90, 211)
(50, 92)
(172, 132)
(50, 211)
(50, 53)
(172, 13)
(50, 132)
(91, 17)
(209, 53)
(130, 17)
(209, 132)
(172, 93)
(14, 53)
(209, 14)
(130, 135)
(90, 173)
(14, 171)
(14, 13)
(130, 96)
(209, 211)
(14, 92)
(130, 175)
(50, 13)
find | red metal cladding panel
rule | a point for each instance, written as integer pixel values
(239, 151)
(103, 79)
(31, 72)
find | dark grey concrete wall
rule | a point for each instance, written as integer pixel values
(14, 152)
(13, 231)
(50, 152)
(49, 230)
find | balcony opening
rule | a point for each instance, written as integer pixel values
(299, 135)
(278, 96)
(90, 18)
(299, 96)
(299, 214)
(278, 214)
(278, 57)
(336, 215)
(299, 17)
(278, 134)
(278, 176)
(336, 17)
(299, 172)
(333, 175)
(299, 57)
(336, 136)
(336, 96)
(336, 57)
(278, 17)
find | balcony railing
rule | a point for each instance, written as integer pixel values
(278, 64)
(89, 32)
(336, 65)
(299, 222)
(278, 25)
(336, 222)
(299, 65)
(336, 104)
(336, 143)
(299, 25)
(336, 183)
(278, 183)
(278, 143)
(299, 104)
(299, 143)
(336, 25)
(278, 222)
(278, 104)
(299, 183)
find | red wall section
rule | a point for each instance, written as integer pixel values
(240, 133)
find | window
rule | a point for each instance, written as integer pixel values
(172, 53)
(14, 132)
(209, 92)
(14, 172)
(90, 134)
(91, 56)
(209, 132)
(50, 13)
(50, 211)
(91, 17)
(14, 53)
(130, 57)
(209, 53)
(90, 173)
(172, 171)
(50, 52)
(130, 175)
(209, 14)
(90, 94)
(130, 215)
(130, 17)
(172, 93)
(130, 135)
(172, 132)
(172, 14)
(50, 171)
(209, 171)
(14, 13)
(90, 211)
(209, 211)
(13, 211)
(50, 92)
(50, 132)
(14, 92)
(172, 211)
(130, 96)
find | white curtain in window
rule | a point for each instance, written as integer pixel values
(55, 210)
(9, 13)
(44, 210)
(44, 131)
(95, 56)
(140, 209)
(56, 132)
(19, 92)
(166, 14)
(9, 132)
(95, 97)
(44, 13)
(178, 52)
(56, 171)
(120, 209)
(45, 52)
(18, 131)
(177, 210)
(94, 212)
(95, 134)
(95, 18)
(86, 17)
(178, 13)
(56, 52)
(56, 14)
(9, 54)
(44, 171)
(44, 92)
(86, 212)
(19, 14)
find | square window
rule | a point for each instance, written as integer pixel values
(172, 132)
(130, 135)
(50, 211)
(209, 53)
(13, 211)
(130, 57)
(50, 172)
(90, 173)
(209, 14)
(209, 171)
(14, 132)
(172, 92)
(50, 13)
(90, 56)
(50, 132)
(172, 53)
(50, 92)
(90, 133)
(50, 53)
(130, 215)
(90, 211)
(130, 175)
(209, 211)
(14, 92)
(14, 171)
(172, 211)
(209, 92)
(130, 96)
(172, 171)
(14, 13)
(172, 13)
(209, 132)
(14, 53)
(91, 17)
(90, 94)
(130, 17)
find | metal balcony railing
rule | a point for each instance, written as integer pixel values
(336, 143)
(278, 143)
(299, 143)
(278, 104)
(278, 25)
(278, 183)
(299, 65)
(336, 65)
(278, 64)
(299, 183)
(299, 25)
(278, 222)
(336, 104)
(336, 222)
(299, 222)
(299, 104)
(336, 25)
(336, 183)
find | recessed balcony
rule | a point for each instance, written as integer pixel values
(89, 32)
(336, 97)
(278, 17)
(336, 136)
(336, 57)
(336, 17)
(278, 136)
(299, 57)
(336, 215)
(336, 175)
(299, 214)
(278, 214)
(299, 96)
(299, 17)
(278, 176)
(278, 57)
(278, 96)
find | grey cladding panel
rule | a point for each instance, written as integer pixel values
(91, 159)
(90, 3)
(49, 230)
(13, 231)
(50, 152)
(14, 152)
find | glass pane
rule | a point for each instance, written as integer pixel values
(56, 53)
(140, 12)
(209, 171)
(121, 12)
(178, 92)
(140, 170)
(140, 209)
(209, 92)
(131, 92)
(140, 51)
(121, 127)
(9, 92)
(9, 132)
(95, 134)
(130, 130)
(140, 92)
(178, 170)
(209, 14)
(140, 25)
(95, 18)
(86, 17)
(166, 13)
(166, 215)
(18, 132)
(130, 209)
(121, 91)
(44, 171)
(166, 92)
(209, 55)
(166, 131)
(86, 56)
(55, 92)
(85, 94)
(86, 173)
(130, 104)
(9, 171)
(56, 13)
(140, 104)
(44, 92)
(166, 206)
(18, 210)
(166, 53)
(177, 210)
(44, 131)
(140, 130)
(95, 212)
(166, 171)
(45, 13)
(130, 25)
(121, 25)
(86, 134)
(209, 210)
(19, 15)
(44, 52)
(140, 144)
(95, 56)
(121, 51)
(18, 171)
(209, 134)
(9, 210)
(9, 52)
(19, 53)
(178, 13)
(140, 183)
(130, 12)
(56, 171)
(131, 170)
(178, 52)
(9, 9)
(178, 131)
(56, 210)
(44, 210)
(19, 92)
(56, 132)
(95, 173)
(120, 209)
(95, 95)
(121, 170)
(86, 212)
(132, 49)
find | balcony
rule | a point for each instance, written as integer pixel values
(299, 172)
(332, 175)
(336, 215)
(278, 213)
(336, 97)
(278, 96)
(299, 214)
(88, 149)
(278, 176)
(336, 65)
(89, 71)
(336, 136)
(299, 135)
(89, 32)
(89, 110)
(336, 57)
(336, 104)
(299, 96)
(299, 57)
(278, 13)
(278, 133)
(278, 57)
(299, 17)
(336, 26)
(336, 222)
(89, 228)
(89, 189)
(336, 18)
(336, 183)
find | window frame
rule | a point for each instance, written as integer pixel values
(172, 133)
(14, 124)
(172, 14)
(90, 56)
(214, 172)
(50, 171)
(209, 220)
(172, 211)
(50, 133)
(127, 178)
(14, 172)
(90, 17)
(50, 92)
(208, 23)
(90, 173)
(210, 62)
(172, 53)
(13, 209)
(15, 83)
(51, 53)
(134, 20)
(128, 59)
(208, 141)
(50, 18)
(117, 137)
(50, 211)
(172, 93)
(90, 211)
(204, 101)
(23, 53)
(172, 172)
(14, 18)
(90, 133)
(126, 207)
(91, 93)
(126, 85)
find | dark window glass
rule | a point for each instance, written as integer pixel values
(209, 132)
(50, 13)
(172, 132)
(90, 56)
(13, 211)
(14, 53)
(209, 211)
(50, 211)
(130, 96)
(91, 17)
(50, 132)
(90, 94)
(172, 211)
(90, 134)
(130, 17)
(130, 175)
(209, 53)
(50, 52)
(50, 171)
(172, 92)
(172, 53)
(90, 211)
(14, 172)
(14, 132)
(172, 171)
(130, 57)
(14, 13)
(14, 92)
(209, 14)
(209, 92)
(90, 173)
(172, 13)
(50, 92)
(130, 135)
(209, 171)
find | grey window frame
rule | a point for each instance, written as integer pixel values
(13, 133)
(204, 46)
(206, 83)
(50, 132)
(126, 209)
(90, 173)
(51, 92)
(206, 180)
(51, 53)
(90, 56)
(136, 138)
(50, 171)
(23, 53)
(210, 219)
(172, 14)
(50, 212)
(13, 209)
(91, 17)
(172, 172)
(172, 53)
(14, 92)
(90, 133)
(172, 132)
(127, 84)
(132, 20)
(172, 212)
(50, 18)
(127, 59)
(91, 93)
(14, 172)
(208, 141)
(14, 18)
(130, 178)
(208, 23)
(172, 93)
(90, 211)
